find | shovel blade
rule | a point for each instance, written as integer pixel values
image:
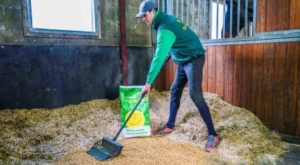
(105, 149)
(99, 153)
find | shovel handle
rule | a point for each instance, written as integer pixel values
(132, 111)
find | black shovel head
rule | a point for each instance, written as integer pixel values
(105, 149)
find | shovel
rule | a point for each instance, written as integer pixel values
(109, 147)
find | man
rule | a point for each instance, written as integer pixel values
(186, 51)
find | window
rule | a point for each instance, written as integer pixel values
(214, 19)
(62, 18)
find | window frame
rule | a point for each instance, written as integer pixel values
(30, 31)
(258, 37)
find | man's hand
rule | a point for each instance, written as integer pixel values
(146, 89)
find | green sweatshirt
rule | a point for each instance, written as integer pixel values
(174, 37)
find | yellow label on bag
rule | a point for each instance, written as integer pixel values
(137, 119)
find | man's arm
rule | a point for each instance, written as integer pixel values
(165, 40)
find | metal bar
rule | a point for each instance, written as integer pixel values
(187, 12)
(217, 23)
(210, 18)
(182, 10)
(246, 17)
(266, 37)
(165, 6)
(205, 17)
(193, 14)
(176, 8)
(254, 18)
(238, 16)
(224, 7)
(198, 28)
(231, 10)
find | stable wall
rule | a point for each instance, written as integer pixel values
(52, 72)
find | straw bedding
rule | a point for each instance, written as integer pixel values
(62, 135)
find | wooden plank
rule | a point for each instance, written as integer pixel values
(158, 83)
(291, 88)
(256, 99)
(234, 75)
(165, 80)
(211, 69)
(240, 59)
(166, 76)
(268, 74)
(271, 16)
(298, 89)
(283, 14)
(290, 113)
(247, 76)
(278, 103)
(228, 76)
(169, 74)
(294, 14)
(238, 71)
(244, 77)
(174, 70)
(261, 16)
(220, 70)
(205, 71)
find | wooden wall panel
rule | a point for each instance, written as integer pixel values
(159, 82)
(257, 97)
(169, 76)
(205, 71)
(261, 77)
(211, 68)
(291, 88)
(237, 74)
(228, 78)
(277, 15)
(283, 14)
(220, 70)
(279, 100)
(166, 76)
(268, 67)
(294, 14)
(298, 89)
(271, 16)
(261, 16)
(247, 79)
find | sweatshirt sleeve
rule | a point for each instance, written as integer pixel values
(165, 40)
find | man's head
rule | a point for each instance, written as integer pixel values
(147, 11)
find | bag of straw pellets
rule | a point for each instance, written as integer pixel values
(139, 122)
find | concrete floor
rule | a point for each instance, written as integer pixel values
(292, 157)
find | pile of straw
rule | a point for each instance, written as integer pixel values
(62, 135)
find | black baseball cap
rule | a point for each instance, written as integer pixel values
(145, 6)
